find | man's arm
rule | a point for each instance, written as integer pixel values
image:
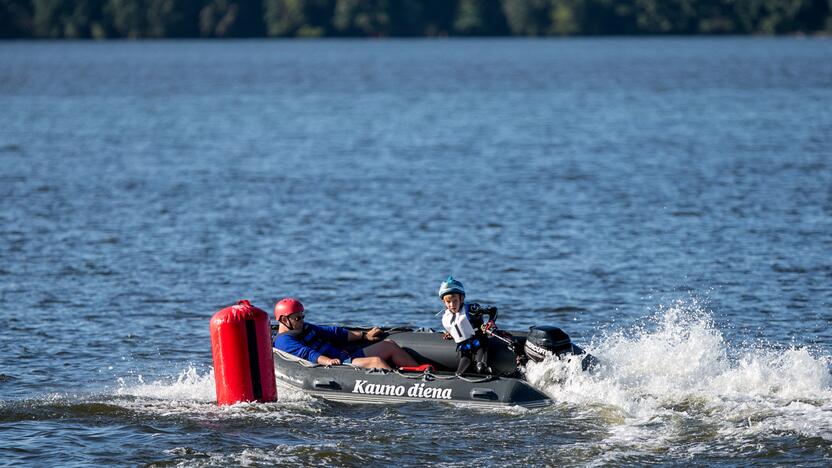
(373, 335)
(295, 348)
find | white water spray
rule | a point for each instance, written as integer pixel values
(677, 375)
(192, 393)
(188, 385)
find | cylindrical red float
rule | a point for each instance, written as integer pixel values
(242, 346)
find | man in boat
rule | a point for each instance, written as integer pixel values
(330, 345)
(464, 323)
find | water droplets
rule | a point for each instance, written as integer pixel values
(674, 377)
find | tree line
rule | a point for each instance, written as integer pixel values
(103, 19)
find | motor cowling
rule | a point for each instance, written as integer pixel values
(546, 341)
(242, 350)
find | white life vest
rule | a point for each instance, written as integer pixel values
(457, 324)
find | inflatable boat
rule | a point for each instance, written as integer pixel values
(436, 379)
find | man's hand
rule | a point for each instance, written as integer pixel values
(446, 336)
(490, 325)
(373, 335)
(323, 360)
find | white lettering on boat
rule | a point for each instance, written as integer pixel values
(417, 390)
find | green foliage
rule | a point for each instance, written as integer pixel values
(528, 17)
(227, 18)
(15, 18)
(402, 18)
(409, 18)
(126, 18)
(172, 18)
(565, 17)
(58, 19)
(480, 18)
(301, 18)
(362, 17)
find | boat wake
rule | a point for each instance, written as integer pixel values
(189, 385)
(670, 389)
(674, 381)
(193, 393)
(671, 384)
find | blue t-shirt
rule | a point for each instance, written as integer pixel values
(314, 341)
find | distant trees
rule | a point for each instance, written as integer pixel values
(101, 19)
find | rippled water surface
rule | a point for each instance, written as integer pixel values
(668, 202)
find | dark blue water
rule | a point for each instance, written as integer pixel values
(668, 202)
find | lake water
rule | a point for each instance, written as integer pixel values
(666, 201)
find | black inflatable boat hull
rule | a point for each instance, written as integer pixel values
(356, 385)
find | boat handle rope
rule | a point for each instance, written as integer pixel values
(429, 377)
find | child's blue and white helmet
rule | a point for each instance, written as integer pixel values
(450, 286)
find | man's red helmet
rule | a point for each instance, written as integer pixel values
(287, 306)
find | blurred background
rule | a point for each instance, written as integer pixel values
(406, 18)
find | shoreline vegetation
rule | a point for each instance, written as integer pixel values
(136, 19)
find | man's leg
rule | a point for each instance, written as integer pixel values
(390, 351)
(372, 362)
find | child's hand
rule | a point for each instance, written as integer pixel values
(446, 336)
(490, 325)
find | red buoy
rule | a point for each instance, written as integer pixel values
(242, 347)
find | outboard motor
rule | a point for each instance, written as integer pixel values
(546, 341)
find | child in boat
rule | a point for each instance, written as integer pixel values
(464, 323)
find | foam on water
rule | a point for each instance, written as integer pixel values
(194, 393)
(675, 378)
(281, 454)
(188, 385)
